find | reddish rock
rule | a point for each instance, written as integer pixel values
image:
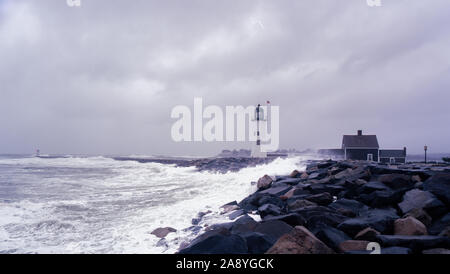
(298, 204)
(409, 226)
(367, 234)
(395, 181)
(229, 208)
(294, 174)
(299, 241)
(343, 174)
(162, 232)
(353, 245)
(420, 215)
(304, 175)
(264, 182)
(416, 179)
(288, 194)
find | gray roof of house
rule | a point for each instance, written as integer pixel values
(397, 153)
(366, 141)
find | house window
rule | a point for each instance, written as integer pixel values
(369, 157)
(392, 160)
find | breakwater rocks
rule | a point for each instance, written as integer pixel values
(215, 164)
(338, 207)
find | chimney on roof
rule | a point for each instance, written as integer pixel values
(359, 132)
(404, 151)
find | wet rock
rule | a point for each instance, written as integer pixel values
(436, 251)
(409, 226)
(295, 191)
(418, 199)
(294, 174)
(290, 181)
(445, 232)
(264, 182)
(250, 203)
(347, 207)
(322, 199)
(420, 215)
(321, 188)
(270, 199)
(373, 186)
(217, 243)
(276, 190)
(439, 185)
(257, 243)
(326, 164)
(343, 174)
(258, 199)
(319, 174)
(440, 225)
(229, 204)
(195, 221)
(367, 234)
(396, 181)
(162, 243)
(273, 229)
(295, 198)
(381, 220)
(236, 214)
(300, 203)
(353, 245)
(331, 236)
(299, 241)
(229, 208)
(300, 191)
(195, 229)
(396, 250)
(200, 215)
(243, 225)
(382, 198)
(304, 176)
(361, 172)
(319, 216)
(221, 226)
(269, 209)
(292, 219)
(416, 179)
(416, 243)
(162, 232)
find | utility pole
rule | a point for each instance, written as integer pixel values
(425, 148)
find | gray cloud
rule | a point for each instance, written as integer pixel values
(103, 78)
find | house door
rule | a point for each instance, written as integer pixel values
(392, 160)
(370, 157)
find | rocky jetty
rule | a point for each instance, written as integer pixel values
(346, 207)
(214, 164)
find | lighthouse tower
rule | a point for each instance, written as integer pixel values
(256, 149)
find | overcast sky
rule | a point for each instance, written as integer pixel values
(103, 78)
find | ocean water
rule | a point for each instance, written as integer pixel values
(99, 205)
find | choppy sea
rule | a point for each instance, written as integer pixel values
(100, 205)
